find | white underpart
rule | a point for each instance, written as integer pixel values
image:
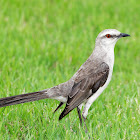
(109, 59)
(60, 98)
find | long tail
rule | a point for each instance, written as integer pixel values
(23, 98)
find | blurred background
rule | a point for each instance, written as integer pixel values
(43, 43)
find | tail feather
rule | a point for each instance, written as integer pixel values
(64, 113)
(61, 103)
(23, 98)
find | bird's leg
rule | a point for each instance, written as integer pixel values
(85, 126)
(85, 123)
(79, 114)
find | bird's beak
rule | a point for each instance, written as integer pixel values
(123, 35)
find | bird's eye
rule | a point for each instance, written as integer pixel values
(108, 35)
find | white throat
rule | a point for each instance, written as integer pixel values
(106, 53)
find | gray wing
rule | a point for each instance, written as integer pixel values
(90, 78)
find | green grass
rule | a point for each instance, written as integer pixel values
(43, 43)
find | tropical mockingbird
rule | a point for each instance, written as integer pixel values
(85, 85)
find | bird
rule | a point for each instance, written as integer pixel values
(83, 88)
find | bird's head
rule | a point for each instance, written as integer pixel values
(109, 37)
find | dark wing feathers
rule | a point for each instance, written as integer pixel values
(93, 79)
